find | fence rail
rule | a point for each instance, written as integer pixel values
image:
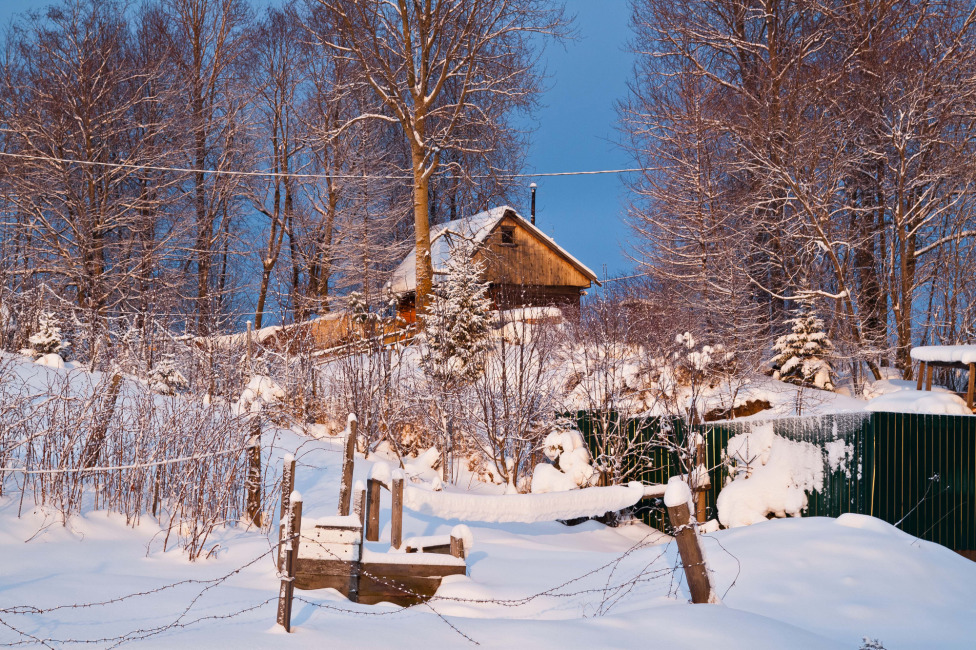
(917, 472)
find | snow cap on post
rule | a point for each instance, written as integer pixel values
(380, 472)
(288, 459)
(677, 493)
(352, 418)
(464, 534)
(295, 497)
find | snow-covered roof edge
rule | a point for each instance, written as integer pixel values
(478, 227)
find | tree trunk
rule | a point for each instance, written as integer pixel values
(425, 270)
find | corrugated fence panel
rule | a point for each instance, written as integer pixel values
(844, 440)
(926, 476)
(917, 472)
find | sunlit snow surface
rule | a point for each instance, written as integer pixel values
(795, 583)
(792, 583)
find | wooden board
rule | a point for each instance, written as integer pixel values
(327, 574)
(368, 583)
(402, 584)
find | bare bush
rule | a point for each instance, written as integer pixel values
(515, 399)
(74, 443)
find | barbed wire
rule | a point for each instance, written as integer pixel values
(616, 591)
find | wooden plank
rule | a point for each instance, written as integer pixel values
(414, 570)
(373, 510)
(396, 534)
(359, 501)
(928, 376)
(921, 374)
(334, 535)
(439, 549)
(326, 551)
(324, 574)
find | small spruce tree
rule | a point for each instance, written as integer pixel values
(48, 338)
(803, 355)
(458, 322)
(165, 378)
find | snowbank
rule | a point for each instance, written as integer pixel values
(772, 476)
(522, 508)
(920, 401)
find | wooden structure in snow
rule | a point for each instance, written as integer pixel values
(332, 552)
(955, 357)
(524, 266)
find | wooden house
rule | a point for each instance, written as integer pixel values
(523, 265)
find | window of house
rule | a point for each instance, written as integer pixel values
(508, 235)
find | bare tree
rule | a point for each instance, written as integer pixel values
(207, 42)
(832, 141)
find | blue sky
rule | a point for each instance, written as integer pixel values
(575, 131)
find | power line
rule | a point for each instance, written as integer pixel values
(268, 174)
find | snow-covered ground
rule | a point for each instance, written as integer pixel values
(789, 583)
(794, 583)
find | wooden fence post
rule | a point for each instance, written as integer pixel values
(253, 509)
(103, 418)
(921, 375)
(348, 450)
(691, 554)
(972, 386)
(287, 486)
(293, 529)
(373, 510)
(928, 376)
(396, 523)
(457, 547)
(701, 495)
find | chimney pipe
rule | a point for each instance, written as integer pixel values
(532, 187)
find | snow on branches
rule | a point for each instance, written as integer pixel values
(571, 468)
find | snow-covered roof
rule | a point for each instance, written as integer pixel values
(945, 353)
(476, 228)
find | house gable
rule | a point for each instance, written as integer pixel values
(515, 255)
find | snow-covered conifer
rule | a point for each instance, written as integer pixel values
(48, 338)
(803, 355)
(458, 321)
(165, 378)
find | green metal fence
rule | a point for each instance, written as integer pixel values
(917, 472)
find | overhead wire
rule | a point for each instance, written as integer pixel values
(270, 174)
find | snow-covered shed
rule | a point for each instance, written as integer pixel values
(524, 266)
